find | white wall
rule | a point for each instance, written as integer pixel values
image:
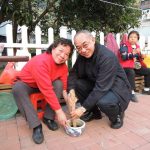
(3, 28)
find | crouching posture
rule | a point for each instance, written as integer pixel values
(99, 81)
(46, 73)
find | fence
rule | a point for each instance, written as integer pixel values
(24, 45)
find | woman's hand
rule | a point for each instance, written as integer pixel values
(61, 117)
(136, 51)
(143, 55)
(77, 113)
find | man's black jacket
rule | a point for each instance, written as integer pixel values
(104, 70)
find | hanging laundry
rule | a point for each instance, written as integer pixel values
(111, 43)
(124, 38)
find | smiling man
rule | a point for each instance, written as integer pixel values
(99, 81)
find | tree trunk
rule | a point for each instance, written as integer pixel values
(15, 28)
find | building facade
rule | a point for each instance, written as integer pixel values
(144, 28)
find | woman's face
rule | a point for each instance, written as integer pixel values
(61, 53)
(133, 38)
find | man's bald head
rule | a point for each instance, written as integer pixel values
(85, 43)
(85, 32)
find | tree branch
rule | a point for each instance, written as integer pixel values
(48, 8)
(3, 15)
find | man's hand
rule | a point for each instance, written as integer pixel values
(77, 113)
(65, 95)
(61, 117)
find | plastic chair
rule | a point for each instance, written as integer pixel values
(39, 103)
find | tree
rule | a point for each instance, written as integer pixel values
(76, 14)
(98, 15)
(26, 12)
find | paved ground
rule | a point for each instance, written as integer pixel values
(135, 134)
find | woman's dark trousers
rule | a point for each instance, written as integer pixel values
(130, 73)
(21, 92)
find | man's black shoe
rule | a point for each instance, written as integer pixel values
(118, 123)
(37, 135)
(134, 98)
(51, 124)
(89, 116)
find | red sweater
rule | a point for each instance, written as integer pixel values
(40, 72)
(128, 62)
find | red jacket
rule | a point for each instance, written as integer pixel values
(126, 56)
(40, 72)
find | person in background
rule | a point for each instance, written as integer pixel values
(131, 60)
(111, 43)
(99, 82)
(46, 73)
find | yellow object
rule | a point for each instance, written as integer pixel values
(147, 60)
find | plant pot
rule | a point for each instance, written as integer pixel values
(75, 131)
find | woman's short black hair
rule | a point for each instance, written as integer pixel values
(134, 32)
(61, 41)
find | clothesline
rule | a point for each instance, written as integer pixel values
(120, 5)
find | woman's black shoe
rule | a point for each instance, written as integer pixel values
(134, 98)
(146, 92)
(37, 135)
(51, 124)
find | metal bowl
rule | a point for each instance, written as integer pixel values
(75, 131)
